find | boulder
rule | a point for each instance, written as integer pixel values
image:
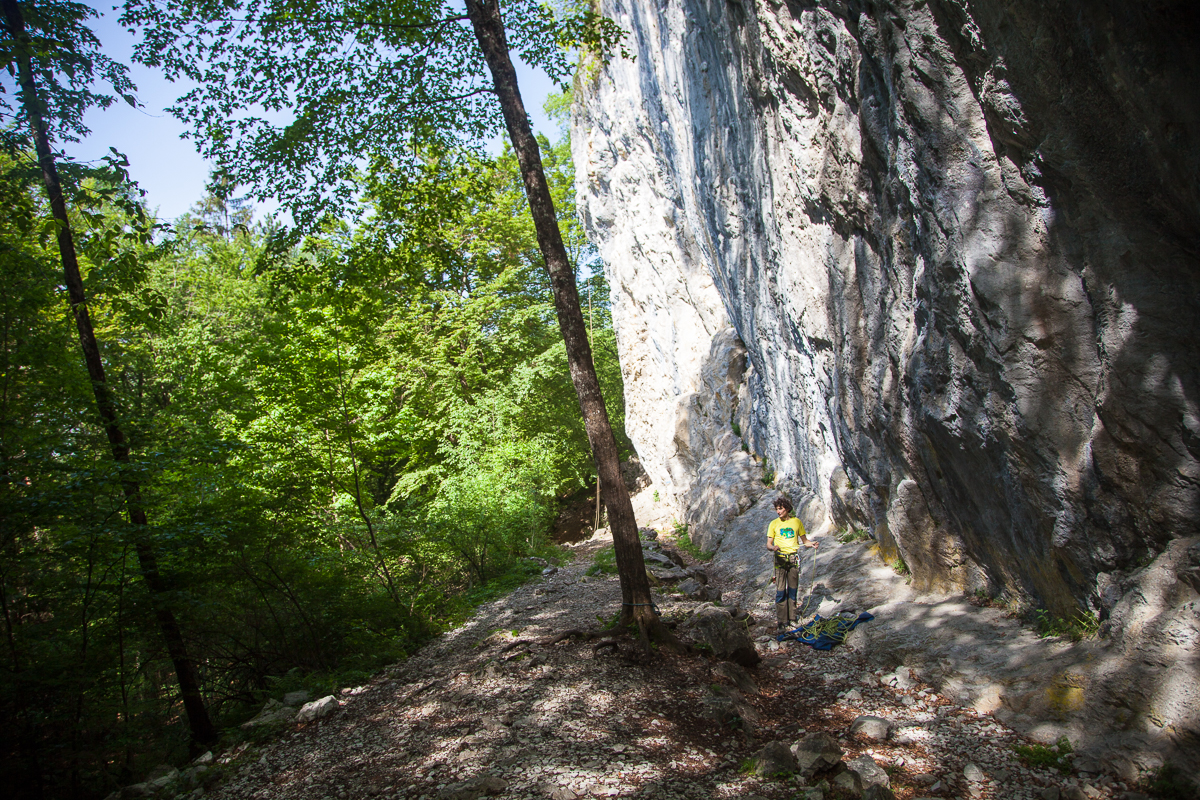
(865, 773)
(870, 727)
(774, 760)
(657, 559)
(729, 639)
(737, 675)
(273, 713)
(296, 699)
(720, 709)
(726, 706)
(878, 792)
(902, 678)
(162, 775)
(816, 752)
(667, 574)
(318, 709)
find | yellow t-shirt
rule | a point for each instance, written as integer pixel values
(785, 534)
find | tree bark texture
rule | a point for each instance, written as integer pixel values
(201, 725)
(635, 586)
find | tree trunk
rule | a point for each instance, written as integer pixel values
(635, 587)
(202, 728)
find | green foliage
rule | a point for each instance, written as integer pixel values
(684, 542)
(68, 63)
(1081, 625)
(898, 565)
(768, 476)
(737, 429)
(605, 562)
(342, 446)
(390, 80)
(656, 497)
(1170, 782)
(851, 534)
(1039, 756)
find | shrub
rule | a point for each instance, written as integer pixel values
(1171, 783)
(851, 534)
(1039, 756)
(684, 542)
(1082, 625)
(605, 563)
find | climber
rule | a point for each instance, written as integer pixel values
(784, 537)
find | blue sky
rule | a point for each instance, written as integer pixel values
(167, 167)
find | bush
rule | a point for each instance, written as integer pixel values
(1039, 756)
(684, 542)
(605, 563)
(1171, 783)
(1082, 625)
(851, 534)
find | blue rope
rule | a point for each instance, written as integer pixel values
(824, 634)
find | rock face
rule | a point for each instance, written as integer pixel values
(933, 263)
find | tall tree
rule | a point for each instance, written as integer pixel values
(635, 587)
(388, 77)
(63, 34)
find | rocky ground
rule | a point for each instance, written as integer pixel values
(497, 707)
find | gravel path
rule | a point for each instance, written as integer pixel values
(477, 713)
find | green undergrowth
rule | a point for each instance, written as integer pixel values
(604, 562)
(1039, 756)
(373, 651)
(684, 542)
(1171, 783)
(851, 534)
(516, 576)
(1081, 625)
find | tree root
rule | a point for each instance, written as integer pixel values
(553, 640)
(603, 643)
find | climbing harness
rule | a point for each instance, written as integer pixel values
(825, 634)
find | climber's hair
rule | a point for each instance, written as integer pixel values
(783, 502)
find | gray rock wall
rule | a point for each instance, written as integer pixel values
(935, 263)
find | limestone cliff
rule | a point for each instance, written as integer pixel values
(933, 262)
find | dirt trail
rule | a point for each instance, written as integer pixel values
(472, 714)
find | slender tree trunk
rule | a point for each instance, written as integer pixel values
(635, 587)
(380, 561)
(202, 728)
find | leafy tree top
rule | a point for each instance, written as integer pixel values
(67, 66)
(291, 95)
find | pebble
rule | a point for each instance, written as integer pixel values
(577, 734)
